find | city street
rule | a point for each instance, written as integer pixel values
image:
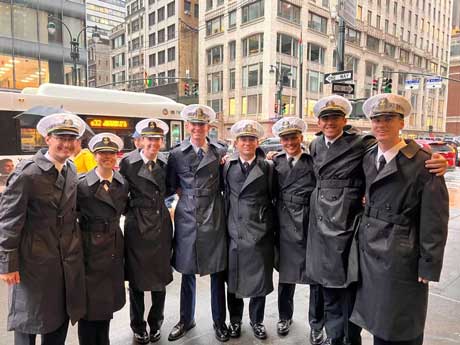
(443, 324)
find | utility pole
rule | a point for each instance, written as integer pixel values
(341, 45)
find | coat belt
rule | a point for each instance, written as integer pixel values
(199, 191)
(63, 219)
(386, 216)
(339, 183)
(295, 199)
(98, 225)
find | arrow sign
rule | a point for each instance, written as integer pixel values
(433, 83)
(413, 84)
(342, 88)
(338, 76)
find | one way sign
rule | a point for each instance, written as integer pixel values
(344, 89)
(338, 76)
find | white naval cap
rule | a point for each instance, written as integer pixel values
(288, 125)
(198, 113)
(247, 128)
(332, 105)
(386, 103)
(105, 142)
(61, 124)
(152, 128)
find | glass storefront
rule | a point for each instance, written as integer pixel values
(30, 55)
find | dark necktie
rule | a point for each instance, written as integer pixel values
(200, 154)
(382, 163)
(246, 168)
(291, 162)
(64, 171)
(105, 184)
(328, 144)
(150, 165)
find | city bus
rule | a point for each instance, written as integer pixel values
(103, 110)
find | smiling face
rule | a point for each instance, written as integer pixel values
(332, 125)
(246, 146)
(151, 146)
(386, 128)
(292, 143)
(60, 147)
(198, 131)
(106, 159)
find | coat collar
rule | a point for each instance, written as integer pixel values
(134, 156)
(186, 144)
(92, 178)
(297, 171)
(342, 145)
(42, 162)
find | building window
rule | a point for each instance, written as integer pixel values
(390, 50)
(215, 55)
(251, 105)
(118, 77)
(187, 7)
(372, 43)
(161, 14)
(369, 17)
(171, 74)
(252, 11)
(161, 36)
(253, 44)
(252, 75)
(359, 13)
(315, 53)
(171, 54)
(118, 60)
(315, 81)
(232, 50)
(317, 23)
(214, 26)
(209, 4)
(135, 25)
(289, 11)
(232, 19)
(231, 79)
(152, 41)
(287, 45)
(135, 44)
(214, 82)
(387, 26)
(161, 57)
(152, 60)
(171, 32)
(136, 61)
(216, 105)
(377, 22)
(152, 19)
(231, 107)
(171, 9)
(161, 78)
(371, 69)
(289, 75)
(118, 42)
(197, 11)
(352, 36)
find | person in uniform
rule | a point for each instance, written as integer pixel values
(249, 184)
(403, 231)
(335, 203)
(148, 230)
(101, 199)
(137, 140)
(41, 256)
(200, 242)
(296, 181)
(83, 158)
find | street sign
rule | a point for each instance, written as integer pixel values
(433, 82)
(343, 88)
(348, 11)
(338, 76)
(412, 84)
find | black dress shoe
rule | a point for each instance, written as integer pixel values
(283, 326)
(142, 337)
(221, 332)
(316, 336)
(155, 335)
(180, 329)
(259, 330)
(330, 341)
(234, 329)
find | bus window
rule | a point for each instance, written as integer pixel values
(31, 140)
(176, 132)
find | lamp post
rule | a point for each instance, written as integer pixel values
(74, 41)
(280, 75)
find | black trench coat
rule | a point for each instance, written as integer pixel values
(335, 202)
(99, 214)
(200, 244)
(148, 227)
(40, 238)
(293, 206)
(401, 237)
(250, 222)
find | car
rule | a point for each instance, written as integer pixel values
(441, 147)
(271, 144)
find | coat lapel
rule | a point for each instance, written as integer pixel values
(208, 158)
(297, 172)
(254, 174)
(101, 194)
(70, 184)
(337, 149)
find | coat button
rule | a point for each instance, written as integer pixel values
(322, 196)
(368, 225)
(388, 207)
(320, 218)
(156, 192)
(158, 211)
(210, 176)
(240, 218)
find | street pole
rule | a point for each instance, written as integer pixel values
(300, 86)
(280, 95)
(341, 46)
(75, 55)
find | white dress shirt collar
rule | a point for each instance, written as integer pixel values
(391, 153)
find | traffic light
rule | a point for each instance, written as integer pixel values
(283, 108)
(276, 108)
(386, 85)
(375, 85)
(149, 82)
(195, 89)
(186, 89)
